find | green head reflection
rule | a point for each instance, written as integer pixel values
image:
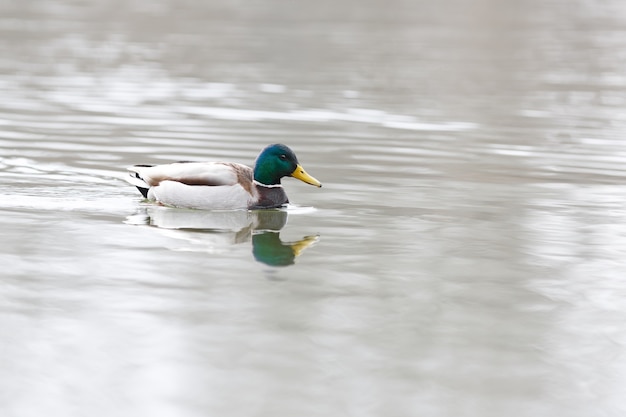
(270, 250)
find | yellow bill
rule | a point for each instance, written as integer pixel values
(301, 174)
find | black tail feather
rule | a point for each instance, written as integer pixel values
(143, 191)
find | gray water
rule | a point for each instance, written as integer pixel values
(465, 256)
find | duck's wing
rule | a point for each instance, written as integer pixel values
(191, 173)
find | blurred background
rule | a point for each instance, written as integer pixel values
(465, 256)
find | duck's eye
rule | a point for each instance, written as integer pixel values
(283, 157)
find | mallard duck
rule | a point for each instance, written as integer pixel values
(222, 185)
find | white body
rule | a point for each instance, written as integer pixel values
(204, 197)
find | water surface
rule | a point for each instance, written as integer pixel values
(464, 258)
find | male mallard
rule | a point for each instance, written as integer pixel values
(222, 185)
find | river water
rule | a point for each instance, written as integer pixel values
(465, 256)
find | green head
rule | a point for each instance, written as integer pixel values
(278, 161)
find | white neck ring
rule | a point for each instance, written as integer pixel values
(266, 185)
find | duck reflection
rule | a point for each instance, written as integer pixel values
(215, 231)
